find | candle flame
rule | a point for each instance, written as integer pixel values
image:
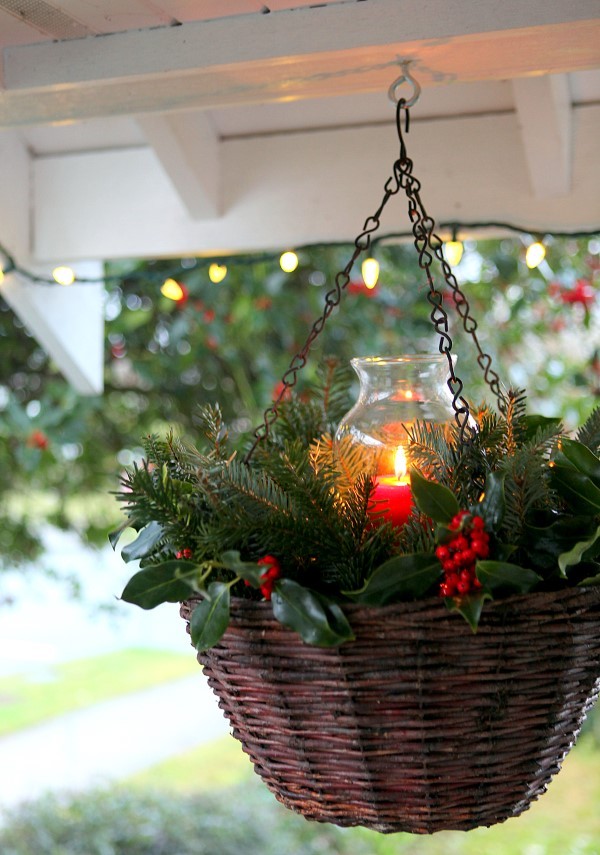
(400, 465)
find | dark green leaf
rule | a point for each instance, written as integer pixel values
(534, 423)
(144, 542)
(501, 577)
(575, 555)
(115, 536)
(577, 489)
(302, 610)
(580, 456)
(590, 581)
(434, 500)
(545, 544)
(402, 577)
(493, 504)
(210, 618)
(170, 582)
(469, 607)
(247, 570)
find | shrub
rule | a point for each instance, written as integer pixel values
(117, 821)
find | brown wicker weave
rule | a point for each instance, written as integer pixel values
(418, 725)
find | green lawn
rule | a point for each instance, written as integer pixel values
(25, 701)
(564, 821)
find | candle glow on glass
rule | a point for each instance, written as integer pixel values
(392, 496)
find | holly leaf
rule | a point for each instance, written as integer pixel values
(581, 457)
(469, 606)
(493, 504)
(575, 555)
(577, 489)
(434, 500)
(502, 577)
(545, 544)
(304, 611)
(115, 536)
(250, 571)
(160, 583)
(402, 577)
(590, 581)
(534, 422)
(144, 542)
(210, 618)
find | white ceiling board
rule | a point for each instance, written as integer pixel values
(87, 135)
(286, 190)
(188, 148)
(308, 53)
(545, 118)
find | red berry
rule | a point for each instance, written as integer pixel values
(460, 543)
(452, 580)
(480, 548)
(478, 523)
(443, 553)
(476, 583)
(463, 587)
(445, 590)
(468, 556)
(465, 576)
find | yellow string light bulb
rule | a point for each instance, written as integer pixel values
(1, 275)
(63, 275)
(217, 272)
(288, 262)
(172, 290)
(535, 254)
(370, 272)
(453, 250)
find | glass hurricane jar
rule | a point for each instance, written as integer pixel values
(395, 392)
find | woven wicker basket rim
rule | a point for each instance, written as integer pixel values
(433, 606)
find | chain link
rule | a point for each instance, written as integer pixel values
(429, 247)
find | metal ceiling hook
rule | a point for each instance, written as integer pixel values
(405, 77)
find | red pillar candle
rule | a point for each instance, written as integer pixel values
(392, 496)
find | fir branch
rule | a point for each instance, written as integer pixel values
(589, 433)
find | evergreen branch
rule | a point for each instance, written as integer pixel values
(589, 433)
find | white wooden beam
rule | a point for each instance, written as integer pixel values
(545, 119)
(67, 322)
(291, 189)
(187, 146)
(317, 51)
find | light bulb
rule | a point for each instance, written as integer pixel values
(370, 272)
(217, 272)
(63, 275)
(288, 262)
(172, 290)
(1, 275)
(453, 250)
(536, 252)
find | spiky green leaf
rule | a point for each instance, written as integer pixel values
(402, 577)
(502, 577)
(305, 612)
(169, 582)
(434, 500)
(575, 554)
(144, 543)
(210, 618)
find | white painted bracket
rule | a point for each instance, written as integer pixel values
(68, 322)
(187, 146)
(545, 118)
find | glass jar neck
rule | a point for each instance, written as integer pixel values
(413, 377)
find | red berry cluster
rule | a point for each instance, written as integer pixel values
(272, 573)
(184, 553)
(459, 555)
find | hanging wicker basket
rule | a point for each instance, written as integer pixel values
(418, 725)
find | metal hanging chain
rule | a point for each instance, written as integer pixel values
(427, 245)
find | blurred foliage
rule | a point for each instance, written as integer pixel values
(231, 342)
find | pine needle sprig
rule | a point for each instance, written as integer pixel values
(589, 433)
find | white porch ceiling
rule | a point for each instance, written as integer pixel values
(177, 127)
